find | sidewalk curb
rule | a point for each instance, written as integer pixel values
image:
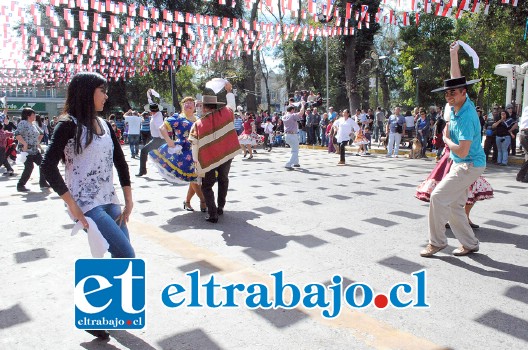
(512, 160)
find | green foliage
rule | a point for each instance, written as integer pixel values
(497, 38)
(160, 81)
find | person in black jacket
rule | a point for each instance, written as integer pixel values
(90, 150)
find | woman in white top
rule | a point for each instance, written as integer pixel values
(90, 149)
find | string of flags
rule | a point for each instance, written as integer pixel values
(121, 40)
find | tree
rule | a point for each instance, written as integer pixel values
(496, 37)
(356, 49)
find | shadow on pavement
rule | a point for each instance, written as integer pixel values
(128, 340)
(509, 272)
(486, 234)
(194, 339)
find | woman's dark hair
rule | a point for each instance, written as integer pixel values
(80, 104)
(26, 112)
(38, 119)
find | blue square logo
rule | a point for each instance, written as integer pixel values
(109, 294)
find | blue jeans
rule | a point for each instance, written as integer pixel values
(293, 141)
(324, 137)
(105, 217)
(133, 140)
(503, 142)
(302, 137)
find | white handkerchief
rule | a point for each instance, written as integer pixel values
(470, 52)
(98, 244)
(230, 97)
(176, 149)
(216, 84)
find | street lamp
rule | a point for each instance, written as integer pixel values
(416, 71)
(377, 58)
(324, 19)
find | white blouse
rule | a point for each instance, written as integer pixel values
(89, 175)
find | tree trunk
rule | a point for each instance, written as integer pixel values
(480, 95)
(265, 76)
(249, 69)
(117, 96)
(351, 84)
(258, 78)
(384, 84)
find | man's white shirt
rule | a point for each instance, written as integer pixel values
(344, 128)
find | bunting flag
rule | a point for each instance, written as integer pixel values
(138, 39)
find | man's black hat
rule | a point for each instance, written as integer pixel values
(456, 83)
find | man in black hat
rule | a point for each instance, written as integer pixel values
(156, 121)
(463, 137)
(214, 145)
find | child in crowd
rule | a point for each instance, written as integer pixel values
(268, 134)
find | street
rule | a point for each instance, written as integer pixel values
(360, 221)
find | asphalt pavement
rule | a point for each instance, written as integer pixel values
(360, 221)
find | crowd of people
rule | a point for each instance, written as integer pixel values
(199, 150)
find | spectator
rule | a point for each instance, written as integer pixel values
(395, 128)
(268, 133)
(332, 115)
(238, 124)
(322, 129)
(513, 115)
(133, 121)
(422, 130)
(28, 137)
(315, 126)
(504, 128)
(491, 134)
(9, 125)
(409, 124)
(145, 128)
(379, 119)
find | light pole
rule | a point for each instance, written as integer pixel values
(377, 58)
(416, 72)
(325, 20)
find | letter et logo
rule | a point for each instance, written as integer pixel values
(109, 294)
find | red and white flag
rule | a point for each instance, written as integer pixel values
(476, 6)
(348, 12)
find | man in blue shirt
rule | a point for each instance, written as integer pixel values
(463, 137)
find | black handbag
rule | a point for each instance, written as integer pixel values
(399, 128)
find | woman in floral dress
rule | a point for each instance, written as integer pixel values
(174, 159)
